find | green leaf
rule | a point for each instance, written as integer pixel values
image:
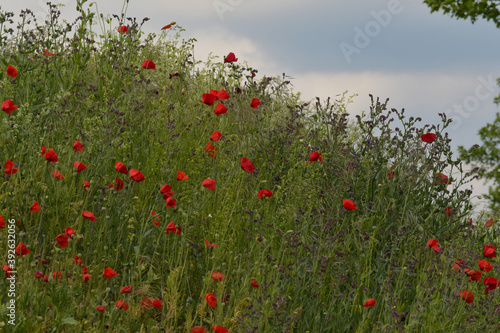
(69, 321)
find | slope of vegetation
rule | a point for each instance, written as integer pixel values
(138, 203)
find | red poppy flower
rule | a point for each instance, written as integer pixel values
(349, 205)
(118, 184)
(89, 215)
(485, 265)
(46, 278)
(209, 99)
(267, 193)
(170, 202)
(220, 329)
(247, 165)
(109, 273)
(120, 167)
(474, 275)
(69, 232)
(467, 296)
(441, 179)
(47, 52)
(315, 156)
(369, 302)
(210, 148)
(489, 223)
(8, 106)
(218, 276)
(209, 183)
(22, 250)
(79, 166)
(38, 275)
(222, 95)
(211, 300)
(136, 175)
(171, 228)
(449, 210)
(181, 175)
(433, 244)
(168, 26)
(126, 290)
(86, 185)
(51, 156)
(156, 218)
(230, 58)
(11, 71)
(2, 222)
(122, 29)
(77, 146)
(390, 174)
(220, 109)
(100, 308)
(215, 136)
(198, 329)
(86, 276)
(78, 261)
(58, 276)
(148, 64)
(166, 190)
(62, 239)
(35, 207)
(57, 175)
(149, 303)
(121, 305)
(172, 75)
(6, 269)
(254, 284)
(9, 168)
(44, 149)
(210, 245)
(491, 284)
(429, 137)
(255, 103)
(489, 251)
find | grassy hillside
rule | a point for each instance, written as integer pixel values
(164, 212)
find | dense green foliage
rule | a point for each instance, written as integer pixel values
(468, 9)
(316, 262)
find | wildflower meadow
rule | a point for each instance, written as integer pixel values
(144, 190)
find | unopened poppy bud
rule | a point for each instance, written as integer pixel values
(420, 229)
(171, 84)
(379, 185)
(183, 91)
(479, 197)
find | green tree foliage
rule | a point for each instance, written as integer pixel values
(464, 9)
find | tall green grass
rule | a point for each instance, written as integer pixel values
(316, 262)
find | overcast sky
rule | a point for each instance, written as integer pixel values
(426, 63)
